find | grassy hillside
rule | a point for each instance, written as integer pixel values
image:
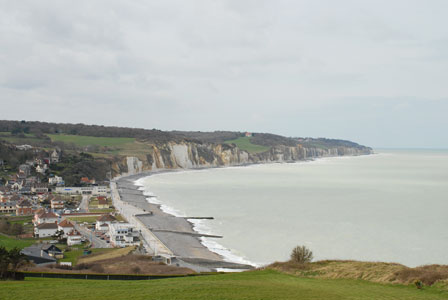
(266, 284)
(83, 141)
(10, 242)
(245, 144)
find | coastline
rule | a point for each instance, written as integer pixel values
(190, 246)
(177, 234)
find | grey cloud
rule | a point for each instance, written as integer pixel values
(310, 68)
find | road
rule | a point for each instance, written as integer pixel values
(84, 205)
(90, 235)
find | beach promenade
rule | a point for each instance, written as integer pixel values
(165, 235)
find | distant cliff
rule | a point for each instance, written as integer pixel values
(190, 155)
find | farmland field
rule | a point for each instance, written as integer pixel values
(244, 144)
(248, 285)
(82, 141)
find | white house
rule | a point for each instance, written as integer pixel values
(47, 217)
(123, 234)
(45, 230)
(56, 180)
(66, 226)
(74, 238)
(102, 224)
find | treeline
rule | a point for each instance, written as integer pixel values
(73, 167)
(12, 157)
(42, 128)
(9, 228)
(10, 262)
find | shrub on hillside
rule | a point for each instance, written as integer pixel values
(301, 254)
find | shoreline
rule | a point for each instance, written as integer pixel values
(178, 234)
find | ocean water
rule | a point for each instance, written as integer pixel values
(391, 206)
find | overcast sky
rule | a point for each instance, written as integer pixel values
(375, 72)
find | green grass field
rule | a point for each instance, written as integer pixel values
(10, 242)
(244, 144)
(248, 285)
(77, 253)
(91, 140)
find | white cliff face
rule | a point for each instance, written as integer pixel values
(182, 156)
(135, 166)
(189, 155)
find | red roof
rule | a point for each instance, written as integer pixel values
(66, 224)
(48, 215)
(74, 233)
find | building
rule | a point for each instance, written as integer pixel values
(57, 203)
(40, 188)
(47, 217)
(102, 202)
(56, 180)
(74, 238)
(26, 169)
(45, 230)
(24, 147)
(24, 208)
(8, 207)
(248, 134)
(123, 235)
(66, 226)
(55, 156)
(42, 254)
(103, 222)
(84, 190)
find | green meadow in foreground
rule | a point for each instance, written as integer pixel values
(267, 284)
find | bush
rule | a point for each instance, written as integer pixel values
(301, 254)
(97, 269)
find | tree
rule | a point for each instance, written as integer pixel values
(16, 259)
(4, 262)
(301, 254)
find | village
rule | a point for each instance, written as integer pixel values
(59, 218)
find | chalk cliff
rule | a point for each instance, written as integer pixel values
(190, 155)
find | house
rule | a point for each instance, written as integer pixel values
(42, 168)
(56, 180)
(86, 180)
(123, 234)
(26, 169)
(55, 156)
(40, 188)
(42, 254)
(24, 147)
(248, 134)
(57, 203)
(8, 207)
(47, 217)
(24, 208)
(66, 226)
(74, 238)
(45, 230)
(37, 214)
(103, 222)
(102, 202)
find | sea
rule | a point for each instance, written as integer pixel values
(391, 206)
